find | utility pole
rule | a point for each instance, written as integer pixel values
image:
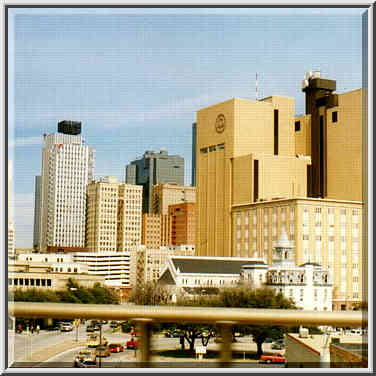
(77, 324)
(100, 344)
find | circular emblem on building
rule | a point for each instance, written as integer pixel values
(220, 123)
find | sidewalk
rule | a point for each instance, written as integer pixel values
(47, 353)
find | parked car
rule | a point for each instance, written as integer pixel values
(278, 346)
(88, 363)
(114, 324)
(132, 343)
(86, 354)
(102, 351)
(173, 333)
(90, 328)
(66, 327)
(276, 358)
(52, 328)
(93, 340)
(116, 347)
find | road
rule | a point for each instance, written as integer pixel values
(24, 343)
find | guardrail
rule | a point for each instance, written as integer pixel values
(225, 318)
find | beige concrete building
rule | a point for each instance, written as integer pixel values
(130, 217)
(342, 145)
(113, 215)
(151, 230)
(327, 232)
(11, 229)
(256, 156)
(245, 153)
(26, 275)
(164, 195)
(149, 263)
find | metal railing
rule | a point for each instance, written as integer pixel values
(225, 318)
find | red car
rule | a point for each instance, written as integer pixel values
(132, 343)
(276, 358)
(115, 347)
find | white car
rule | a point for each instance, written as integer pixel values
(65, 327)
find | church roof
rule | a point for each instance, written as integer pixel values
(166, 278)
(206, 266)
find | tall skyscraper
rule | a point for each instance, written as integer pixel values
(260, 168)
(11, 230)
(37, 203)
(67, 168)
(194, 141)
(113, 215)
(154, 168)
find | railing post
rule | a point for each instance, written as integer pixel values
(226, 334)
(143, 327)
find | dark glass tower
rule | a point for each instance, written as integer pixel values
(154, 168)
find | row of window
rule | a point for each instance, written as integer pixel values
(29, 282)
(212, 148)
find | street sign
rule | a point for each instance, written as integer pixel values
(201, 350)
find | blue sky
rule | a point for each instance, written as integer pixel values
(136, 77)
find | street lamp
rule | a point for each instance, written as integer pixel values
(76, 322)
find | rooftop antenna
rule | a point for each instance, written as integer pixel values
(256, 87)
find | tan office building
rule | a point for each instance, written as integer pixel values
(113, 215)
(164, 195)
(151, 230)
(256, 154)
(245, 153)
(183, 223)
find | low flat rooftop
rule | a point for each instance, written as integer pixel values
(316, 341)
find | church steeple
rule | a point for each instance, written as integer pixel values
(283, 250)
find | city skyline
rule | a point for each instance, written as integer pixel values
(143, 94)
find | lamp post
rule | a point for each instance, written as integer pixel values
(100, 344)
(75, 321)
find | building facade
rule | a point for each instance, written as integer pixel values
(114, 267)
(182, 223)
(67, 168)
(253, 154)
(129, 217)
(155, 168)
(37, 207)
(326, 232)
(164, 195)
(309, 285)
(149, 263)
(113, 215)
(194, 141)
(151, 230)
(11, 229)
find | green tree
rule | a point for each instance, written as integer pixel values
(150, 293)
(245, 297)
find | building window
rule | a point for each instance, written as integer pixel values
(334, 116)
(297, 126)
(211, 148)
(10, 281)
(221, 146)
(203, 150)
